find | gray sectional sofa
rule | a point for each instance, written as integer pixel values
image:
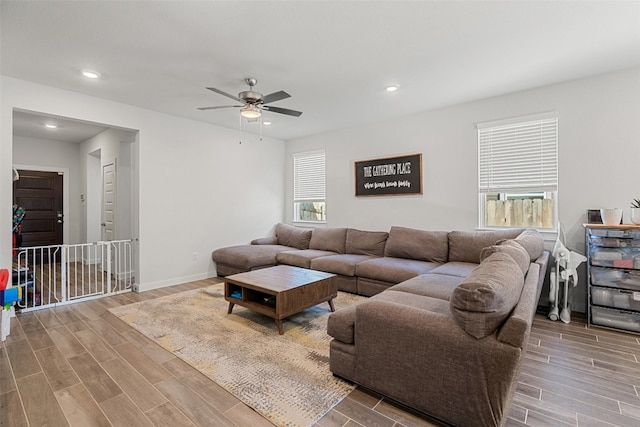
(450, 313)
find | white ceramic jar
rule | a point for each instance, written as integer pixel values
(611, 216)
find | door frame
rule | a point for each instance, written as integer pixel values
(104, 202)
(65, 192)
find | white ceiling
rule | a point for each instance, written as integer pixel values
(30, 124)
(333, 57)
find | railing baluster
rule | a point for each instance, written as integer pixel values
(51, 275)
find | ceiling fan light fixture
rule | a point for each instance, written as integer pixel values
(250, 111)
(392, 88)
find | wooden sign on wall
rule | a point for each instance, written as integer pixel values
(391, 175)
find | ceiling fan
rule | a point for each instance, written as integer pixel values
(253, 103)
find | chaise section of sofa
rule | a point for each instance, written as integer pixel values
(448, 343)
(261, 253)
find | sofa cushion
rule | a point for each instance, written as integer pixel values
(465, 246)
(511, 248)
(455, 268)
(343, 264)
(295, 237)
(272, 240)
(248, 257)
(366, 242)
(484, 299)
(417, 244)
(429, 285)
(300, 258)
(403, 299)
(393, 270)
(532, 241)
(329, 239)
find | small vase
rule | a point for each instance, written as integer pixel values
(611, 216)
(635, 215)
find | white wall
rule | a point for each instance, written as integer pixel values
(91, 212)
(198, 188)
(599, 150)
(110, 146)
(48, 155)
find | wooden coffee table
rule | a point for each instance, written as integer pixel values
(280, 292)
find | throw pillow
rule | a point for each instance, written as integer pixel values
(484, 300)
(511, 248)
(294, 237)
(531, 240)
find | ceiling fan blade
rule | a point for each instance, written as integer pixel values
(275, 96)
(219, 106)
(283, 111)
(221, 92)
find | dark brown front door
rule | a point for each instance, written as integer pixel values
(40, 195)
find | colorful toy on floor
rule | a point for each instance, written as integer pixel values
(8, 298)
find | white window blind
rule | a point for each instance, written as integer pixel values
(309, 176)
(518, 157)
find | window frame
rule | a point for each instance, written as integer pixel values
(548, 178)
(310, 194)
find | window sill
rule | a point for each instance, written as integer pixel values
(309, 223)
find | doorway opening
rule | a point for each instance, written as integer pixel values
(78, 187)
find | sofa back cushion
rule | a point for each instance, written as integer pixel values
(415, 244)
(511, 248)
(465, 246)
(294, 237)
(329, 239)
(484, 300)
(366, 242)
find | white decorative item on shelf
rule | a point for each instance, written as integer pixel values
(635, 211)
(611, 216)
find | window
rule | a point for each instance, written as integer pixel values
(518, 172)
(309, 187)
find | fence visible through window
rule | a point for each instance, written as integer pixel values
(521, 212)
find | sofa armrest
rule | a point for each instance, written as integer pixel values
(517, 327)
(425, 360)
(543, 262)
(265, 241)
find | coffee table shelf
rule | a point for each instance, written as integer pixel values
(280, 292)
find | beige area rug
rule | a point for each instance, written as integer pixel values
(286, 378)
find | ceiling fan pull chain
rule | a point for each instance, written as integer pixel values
(240, 129)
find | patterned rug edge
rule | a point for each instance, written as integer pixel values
(165, 345)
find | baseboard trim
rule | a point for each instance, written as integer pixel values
(141, 287)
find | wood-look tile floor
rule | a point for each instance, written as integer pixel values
(79, 365)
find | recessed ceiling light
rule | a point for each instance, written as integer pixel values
(392, 88)
(51, 126)
(90, 74)
(266, 123)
